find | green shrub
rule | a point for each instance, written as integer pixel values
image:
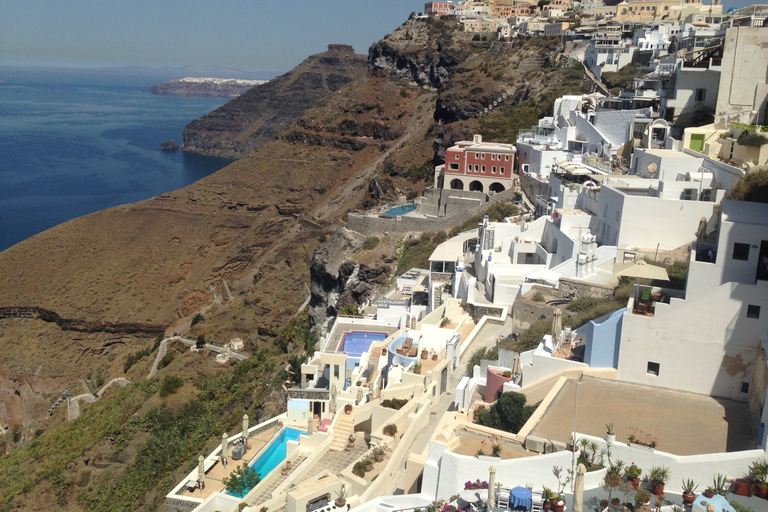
(200, 343)
(169, 385)
(490, 353)
(537, 297)
(197, 319)
(242, 480)
(394, 403)
(166, 360)
(371, 243)
(390, 429)
(403, 93)
(509, 413)
(748, 138)
(752, 187)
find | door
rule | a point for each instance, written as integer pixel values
(697, 142)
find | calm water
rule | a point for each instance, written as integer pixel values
(72, 144)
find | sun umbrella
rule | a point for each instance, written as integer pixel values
(200, 469)
(641, 270)
(224, 447)
(516, 369)
(492, 488)
(578, 493)
(245, 427)
(557, 324)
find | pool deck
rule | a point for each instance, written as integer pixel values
(215, 476)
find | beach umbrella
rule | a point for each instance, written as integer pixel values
(310, 425)
(640, 270)
(245, 428)
(516, 369)
(224, 447)
(200, 470)
(578, 492)
(557, 324)
(492, 488)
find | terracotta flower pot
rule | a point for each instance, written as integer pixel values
(635, 483)
(743, 489)
(761, 491)
(689, 498)
(340, 503)
(658, 490)
(709, 494)
(547, 506)
(558, 507)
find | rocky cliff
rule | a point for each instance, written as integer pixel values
(253, 118)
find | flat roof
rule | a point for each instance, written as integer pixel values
(721, 425)
(452, 249)
(667, 153)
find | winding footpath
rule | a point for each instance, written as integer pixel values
(73, 403)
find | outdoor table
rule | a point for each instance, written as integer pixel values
(470, 495)
(721, 504)
(520, 497)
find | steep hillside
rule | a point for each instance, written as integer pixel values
(255, 225)
(252, 119)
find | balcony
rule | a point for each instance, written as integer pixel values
(715, 64)
(645, 299)
(706, 253)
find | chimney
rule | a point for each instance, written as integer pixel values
(477, 139)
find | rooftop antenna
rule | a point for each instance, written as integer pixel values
(216, 297)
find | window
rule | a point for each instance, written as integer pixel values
(453, 166)
(457, 157)
(493, 169)
(483, 169)
(653, 368)
(501, 170)
(745, 387)
(701, 94)
(753, 311)
(506, 157)
(482, 156)
(740, 251)
(477, 156)
(493, 156)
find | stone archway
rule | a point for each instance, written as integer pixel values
(476, 186)
(457, 184)
(496, 187)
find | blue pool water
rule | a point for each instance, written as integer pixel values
(400, 210)
(354, 343)
(273, 456)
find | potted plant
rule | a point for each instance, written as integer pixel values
(689, 491)
(378, 453)
(288, 465)
(659, 476)
(616, 503)
(390, 429)
(341, 496)
(348, 408)
(610, 435)
(383, 351)
(632, 474)
(424, 354)
(495, 447)
(742, 486)
(417, 368)
(604, 504)
(642, 496)
(548, 496)
(759, 470)
(368, 464)
(709, 492)
(558, 504)
(720, 485)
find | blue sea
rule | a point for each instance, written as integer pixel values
(72, 143)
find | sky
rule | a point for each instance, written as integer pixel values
(254, 35)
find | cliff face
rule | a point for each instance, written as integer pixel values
(253, 118)
(204, 87)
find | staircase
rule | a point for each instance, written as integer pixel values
(437, 297)
(341, 432)
(160, 356)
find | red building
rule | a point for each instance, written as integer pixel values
(479, 166)
(438, 8)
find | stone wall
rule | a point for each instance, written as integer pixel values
(478, 312)
(176, 505)
(370, 225)
(581, 289)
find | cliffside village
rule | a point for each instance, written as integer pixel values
(659, 402)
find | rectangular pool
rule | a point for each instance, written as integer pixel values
(354, 343)
(273, 456)
(400, 210)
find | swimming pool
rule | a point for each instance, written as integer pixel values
(354, 343)
(400, 210)
(273, 456)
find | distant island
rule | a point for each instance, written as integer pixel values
(207, 87)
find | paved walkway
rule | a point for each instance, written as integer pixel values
(485, 339)
(73, 403)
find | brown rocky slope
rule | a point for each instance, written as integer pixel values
(252, 119)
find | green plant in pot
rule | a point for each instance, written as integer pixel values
(689, 491)
(659, 476)
(558, 504)
(632, 473)
(642, 496)
(548, 495)
(341, 496)
(610, 435)
(720, 485)
(759, 471)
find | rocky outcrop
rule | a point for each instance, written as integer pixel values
(69, 324)
(169, 145)
(252, 119)
(338, 280)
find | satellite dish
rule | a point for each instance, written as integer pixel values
(652, 168)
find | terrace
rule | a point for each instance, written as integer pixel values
(645, 299)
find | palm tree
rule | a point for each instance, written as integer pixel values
(294, 364)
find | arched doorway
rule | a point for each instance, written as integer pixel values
(457, 184)
(496, 187)
(476, 186)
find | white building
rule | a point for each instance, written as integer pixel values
(705, 340)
